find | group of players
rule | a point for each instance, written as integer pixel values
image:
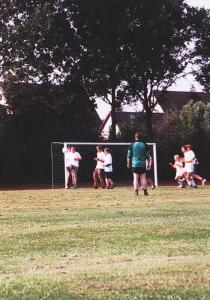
(139, 160)
(102, 173)
(186, 168)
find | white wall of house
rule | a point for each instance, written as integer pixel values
(105, 132)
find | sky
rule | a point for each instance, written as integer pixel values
(184, 84)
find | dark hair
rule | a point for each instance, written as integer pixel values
(99, 147)
(137, 135)
(187, 146)
(107, 149)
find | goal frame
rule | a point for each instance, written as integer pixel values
(65, 144)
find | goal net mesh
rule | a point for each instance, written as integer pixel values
(88, 151)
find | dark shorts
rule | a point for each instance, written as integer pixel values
(108, 175)
(72, 168)
(139, 171)
(149, 173)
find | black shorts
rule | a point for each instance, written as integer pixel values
(139, 171)
(149, 173)
(72, 168)
(108, 175)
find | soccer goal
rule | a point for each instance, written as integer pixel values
(87, 165)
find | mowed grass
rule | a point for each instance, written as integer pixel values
(105, 244)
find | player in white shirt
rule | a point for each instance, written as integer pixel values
(72, 158)
(98, 173)
(179, 167)
(190, 160)
(108, 169)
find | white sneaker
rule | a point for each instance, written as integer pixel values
(203, 182)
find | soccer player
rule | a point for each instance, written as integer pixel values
(190, 160)
(72, 158)
(98, 173)
(179, 167)
(138, 153)
(108, 169)
(149, 174)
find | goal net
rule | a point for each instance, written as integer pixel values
(88, 151)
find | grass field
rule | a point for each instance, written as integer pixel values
(94, 244)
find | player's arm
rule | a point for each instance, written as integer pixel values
(149, 162)
(78, 157)
(172, 165)
(128, 162)
(98, 159)
(65, 150)
(189, 161)
(129, 156)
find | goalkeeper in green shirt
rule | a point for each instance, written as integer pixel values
(138, 154)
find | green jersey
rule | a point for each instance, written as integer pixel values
(138, 153)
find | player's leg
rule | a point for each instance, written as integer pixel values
(190, 180)
(136, 183)
(68, 177)
(150, 181)
(101, 177)
(201, 179)
(143, 180)
(74, 177)
(180, 181)
(106, 179)
(111, 182)
(95, 178)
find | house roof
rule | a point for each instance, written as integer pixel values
(177, 99)
(127, 117)
(124, 117)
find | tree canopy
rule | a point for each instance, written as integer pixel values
(202, 73)
(118, 50)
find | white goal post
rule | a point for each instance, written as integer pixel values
(65, 144)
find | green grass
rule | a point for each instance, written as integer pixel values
(105, 244)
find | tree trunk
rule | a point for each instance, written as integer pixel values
(113, 133)
(149, 124)
(149, 128)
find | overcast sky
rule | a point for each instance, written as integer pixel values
(199, 3)
(181, 85)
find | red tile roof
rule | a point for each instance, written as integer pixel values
(176, 100)
(127, 117)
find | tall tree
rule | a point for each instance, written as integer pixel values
(38, 40)
(144, 43)
(102, 27)
(159, 40)
(105, 43)
(202, 73)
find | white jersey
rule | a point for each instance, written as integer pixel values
(101, 156)
(179, 168)
(108, 163)
(189, 157)
(72, 158)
